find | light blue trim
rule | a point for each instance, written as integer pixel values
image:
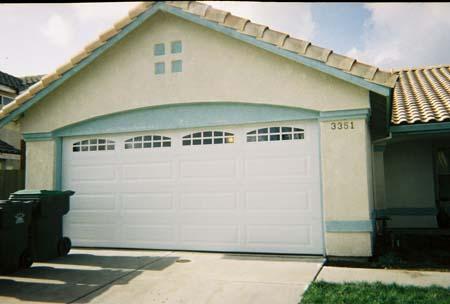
(181, 116)
(177, 66)
(38, 136)
(95, 54)
(349, 226)
(160, 68)
(176, 47)
(315, 64)
(424, 128)
(344, 114)
(431, 211)
(159, 49)
(58, 162)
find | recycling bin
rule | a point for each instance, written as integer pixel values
(15, 221)
(48, 209)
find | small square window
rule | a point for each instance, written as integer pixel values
(147, 145)
(102, 148)
(175, 47)
(274, 137)
(207, 141)
(160, 68)
(156, 144)
(93, 148)
(177, 66)
(186, 142)
(166, 144)
(110, 147)
(298, 136)
(218, 140)
(287, 136)
(251, 138)
(138, 145)
(159, 49)
(128, 146)
(263, 138)
(76, 149)
(197, 142)
(147, 138)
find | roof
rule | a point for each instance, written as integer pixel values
(11, 81)
(7, 148)
(30, 80)
(422, 95)
(323, 59)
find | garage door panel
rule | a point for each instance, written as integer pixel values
(240, 196)
(201, 169)
(208, 201)
(209, 234)
(146, 171)
(147, 201)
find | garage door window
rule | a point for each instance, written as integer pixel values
(208, 138)
(147, 141)
(97, 144)
(275, 134)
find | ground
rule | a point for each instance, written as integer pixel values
(371, 293)
(146, 276)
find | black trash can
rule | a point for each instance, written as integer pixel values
(47, 241)
(15, 219)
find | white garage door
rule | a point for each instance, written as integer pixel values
(253, 188)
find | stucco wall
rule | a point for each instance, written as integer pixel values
(11, 134)
(408, 171)
(40, 165)
(346, 184)
(215, 68)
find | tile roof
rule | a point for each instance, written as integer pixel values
(422, 95)
(7, 148)
(30, 80)
(245, 26)
(11, 81)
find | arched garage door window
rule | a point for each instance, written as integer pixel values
(275, 134)
(208, 138)
(147, 141)
(96, 144)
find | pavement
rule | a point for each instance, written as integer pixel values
(387, 276)
(146, 276)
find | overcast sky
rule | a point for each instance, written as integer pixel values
(36, 38)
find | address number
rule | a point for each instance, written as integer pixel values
(342, 125)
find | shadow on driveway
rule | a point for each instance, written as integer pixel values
(72, 278)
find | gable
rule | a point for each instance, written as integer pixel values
(215, 68)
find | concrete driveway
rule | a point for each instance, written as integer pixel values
(144, 276)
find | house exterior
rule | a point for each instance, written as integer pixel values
(185, 127)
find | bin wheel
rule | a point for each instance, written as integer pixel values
(64, 246)
(25, 260)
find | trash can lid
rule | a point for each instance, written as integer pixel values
(33, 192)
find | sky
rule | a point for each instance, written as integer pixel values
(36, 38)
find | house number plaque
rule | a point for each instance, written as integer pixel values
(342, 125)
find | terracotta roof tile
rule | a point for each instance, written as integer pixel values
(422, 95)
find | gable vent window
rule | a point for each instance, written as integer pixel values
(208, 138)
(93, 145)
(275, 134)
(147, 141)
(4, 100)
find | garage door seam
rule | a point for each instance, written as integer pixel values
(118, 278)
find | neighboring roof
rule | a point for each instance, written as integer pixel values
(7, 148)
(30, 80)
(11, 81)
(321, 57)
(422, 95)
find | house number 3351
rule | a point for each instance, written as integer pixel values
(342, 125)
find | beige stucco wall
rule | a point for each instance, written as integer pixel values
(40, 165)
(10, 134)
(215, 68)
(356, 244)
(409, 181)
(346, 180)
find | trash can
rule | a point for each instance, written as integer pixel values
(48, 208)
(15, 221)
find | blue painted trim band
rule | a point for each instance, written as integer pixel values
(58, 163)
(179, 116)
(349, 226)
(439, 127)
(315, 64)
(407, 212)
(38, 136)
(344, 114)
